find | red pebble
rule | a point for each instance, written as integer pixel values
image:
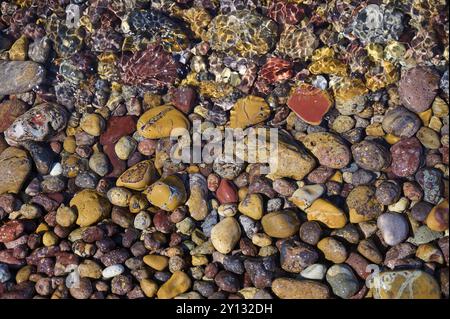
(117, 127)
(184, 98)
(226, 193)
(310, 103)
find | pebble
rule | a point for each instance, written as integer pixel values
(304, 196)
(227, 281)
(226, 192)
(296, 256)
(167, 193)
(325, 212)
(363, 205)
(429, 138)
(93, 124)
(314, 272)
(370, 251)
(124, 147)
(281, 224)
(112, 271)
(328, 149)
(197, 202)
(388, 192)
(418, 87)
(310, 232)
(91, 207)
(158, 122)
(225, 235)
(5, 274)
(9, 111)
(20, 76)
(342, 281)
(406, 284)
(119, 196)
(142, 221)
(371, 155)
(15, 166)
(406, 157)
(141, 175)
(437, 219)
(288, 288)
(252, 206)
(38, 123)
(401, 122)
(178, 283)
(333, 250)
(394, 228)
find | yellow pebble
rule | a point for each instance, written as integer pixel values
(43, 227)
(425, 116)
(391, 139)
(24, 274)
(149, 287)
(69, 144)
(176, 285)
(156, 262)
(199, 260)
(252, 206)
(337, 177)
(49, 239)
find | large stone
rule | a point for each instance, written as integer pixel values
(405, 284)
(14, 169)
(20, 76)
(9, 111)
(38, 124)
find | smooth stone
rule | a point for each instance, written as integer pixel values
(394, 228)
(197, 202)
(306, 195)
(225, 235)
(405, 284)
(139, 176)
(20, 76)
(342, 281)
(252, 206)
(9, 111)
(325, 212)
(281, 224)
(14, 169)
(288, 288)
(91, 207)
(113, 271)
(314, 272)
(178, 283)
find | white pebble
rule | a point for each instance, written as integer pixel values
(56, 170)
(315, 271)
(142, 221)
(113, 271)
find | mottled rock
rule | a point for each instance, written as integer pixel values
(20, 76)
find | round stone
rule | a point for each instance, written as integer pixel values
(225, 235)
(342, 281)
(281, 224)
(394, 228)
